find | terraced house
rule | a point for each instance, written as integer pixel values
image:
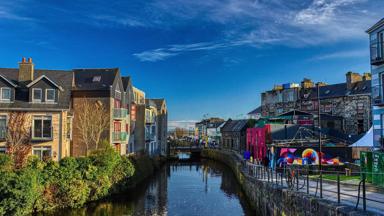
(56, 103)
(45, 97)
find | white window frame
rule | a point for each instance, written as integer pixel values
(118, 94)
(46, 95)
(42, 118)
(5, 117)
(41, 149)
(1, 94)
(33, 94)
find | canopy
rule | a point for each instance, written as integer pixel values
(365, 141)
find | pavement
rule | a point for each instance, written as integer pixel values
(348, 192)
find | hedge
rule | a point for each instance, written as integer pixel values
(43, 186)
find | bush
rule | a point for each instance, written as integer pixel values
(72, 182)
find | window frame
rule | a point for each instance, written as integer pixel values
(41, 118)
(41, 149)
(46, 95)
(33, 95)
(5, 118)
(10, 94)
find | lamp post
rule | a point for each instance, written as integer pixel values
(319, 122)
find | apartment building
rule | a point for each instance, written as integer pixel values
(151, 142)
(45, 97)
(376, 40)
(138, 105)
(162, 125)
(104, 87)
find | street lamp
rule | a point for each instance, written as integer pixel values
(319, 122)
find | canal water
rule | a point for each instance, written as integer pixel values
(190, 187)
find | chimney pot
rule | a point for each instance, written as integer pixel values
(29, 60)
(23, 60)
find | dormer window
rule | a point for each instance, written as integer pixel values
(96, 79)
(50, 95)
(118, 94)
(36, 94)
(5, 94)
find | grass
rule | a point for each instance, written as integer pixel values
(333, 177)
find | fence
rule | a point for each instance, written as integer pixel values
(361, 195)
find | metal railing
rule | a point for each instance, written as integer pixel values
(360, 194)
(120, 113)
(119, 136)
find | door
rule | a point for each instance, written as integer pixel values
(116, 131)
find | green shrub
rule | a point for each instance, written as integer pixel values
(6, 163)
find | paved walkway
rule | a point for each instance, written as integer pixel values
(348, 192)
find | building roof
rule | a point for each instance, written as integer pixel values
(150, 102)
(126, 82)
(256, 111)
(94, 79)
(338, 90)
(235, 125)
(61, 78)
(376, 26)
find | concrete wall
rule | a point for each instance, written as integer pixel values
(269, 199)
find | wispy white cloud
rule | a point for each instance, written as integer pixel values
(341, 55)
(107, 20)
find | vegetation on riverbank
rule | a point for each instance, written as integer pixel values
(72, 182)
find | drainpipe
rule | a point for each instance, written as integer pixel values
(60, 134)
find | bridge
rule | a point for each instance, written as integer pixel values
(192, 149)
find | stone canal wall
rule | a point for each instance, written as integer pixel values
(269, 199)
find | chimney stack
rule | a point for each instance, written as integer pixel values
(367, 76)
(307, 83)
(26, 70)
(352, 78)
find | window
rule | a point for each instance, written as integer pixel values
(43, 153)
(50, 95)
(118, 94)
(3, 127)
(36, 94)
(2, 150)
(69, 127)
(5, 94)
(42, 127)
(96, 79)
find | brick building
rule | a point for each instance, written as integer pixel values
(350, 101)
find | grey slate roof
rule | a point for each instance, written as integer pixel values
(235, 125)
(255, 111)
(126, 81)
(60, 77)
(337, 90)
(85, 78)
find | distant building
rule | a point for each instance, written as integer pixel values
(162, 122)
(234, 134)
(349, 101)
(376, 38)
(202, 128)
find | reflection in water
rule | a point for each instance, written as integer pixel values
(181, 188)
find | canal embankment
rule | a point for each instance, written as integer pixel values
(271, 199)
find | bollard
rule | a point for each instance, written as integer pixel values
(276, 175)
(297, 180)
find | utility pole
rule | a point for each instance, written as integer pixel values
(319, 122)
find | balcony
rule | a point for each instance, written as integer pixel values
(377, 53)
(119, 136)
(120, 113)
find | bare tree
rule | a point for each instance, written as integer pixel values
(18, 137)
(92, 121)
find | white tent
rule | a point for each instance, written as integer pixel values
(365, 141)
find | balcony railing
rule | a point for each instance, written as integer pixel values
(119, 113)
(377, 53)
(119, 136)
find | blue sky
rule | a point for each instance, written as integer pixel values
(210, 57)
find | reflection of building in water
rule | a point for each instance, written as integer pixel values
(155, 202)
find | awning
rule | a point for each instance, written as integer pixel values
(365, 141)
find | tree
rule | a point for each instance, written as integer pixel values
(18, 137)
(92, 121)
